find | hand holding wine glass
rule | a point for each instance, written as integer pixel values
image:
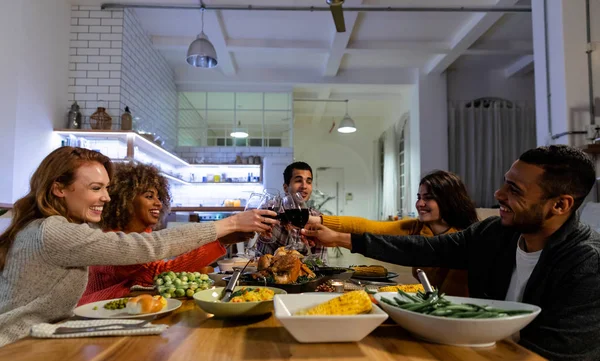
(297, 215)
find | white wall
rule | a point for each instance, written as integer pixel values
(568, 94)
(10, 17)
(35, 48)
(353, 152)
(465, 85)
(428, 132)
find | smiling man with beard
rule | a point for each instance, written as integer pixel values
(536, 252)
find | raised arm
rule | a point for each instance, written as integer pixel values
(348, 224)
(77, 245)
(449, 250)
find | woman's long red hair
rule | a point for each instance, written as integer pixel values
(58, 167)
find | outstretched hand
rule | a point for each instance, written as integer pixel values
(255, 220)
(325, 236)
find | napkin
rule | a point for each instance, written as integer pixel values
(46, 330)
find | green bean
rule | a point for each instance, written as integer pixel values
(399, 301)
(388, 301)
(409, 296)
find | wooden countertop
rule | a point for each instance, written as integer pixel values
(195, 335)
(207, 209)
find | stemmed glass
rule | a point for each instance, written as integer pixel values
(297, 214)
(261, 201)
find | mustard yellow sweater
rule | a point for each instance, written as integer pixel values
(347, 224)
(452, 282)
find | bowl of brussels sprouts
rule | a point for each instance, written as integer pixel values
(181, 284)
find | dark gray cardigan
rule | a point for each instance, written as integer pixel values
(565, 283)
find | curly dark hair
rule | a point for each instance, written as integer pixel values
(130, 180)
(567, 170)
(456, 207)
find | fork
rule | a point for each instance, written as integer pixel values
(123, 326)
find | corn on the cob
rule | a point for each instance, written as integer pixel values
(370, 271)
(351, 303)
(412, 288)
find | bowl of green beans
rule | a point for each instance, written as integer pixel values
(458, 321)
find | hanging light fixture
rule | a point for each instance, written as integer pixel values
(201, 53)
(239, 132)
(347, 124)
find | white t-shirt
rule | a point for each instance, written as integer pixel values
(525, 264)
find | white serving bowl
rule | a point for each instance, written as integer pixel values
(461, 332)
(320, 329)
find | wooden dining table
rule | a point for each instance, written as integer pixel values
(196, 335)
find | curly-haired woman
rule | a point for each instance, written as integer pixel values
(139, 199)
(444, 206)
(46, 250)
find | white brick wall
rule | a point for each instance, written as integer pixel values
(96, 39)
(112, 64)
(147, 83)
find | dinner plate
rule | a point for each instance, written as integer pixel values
(97, 310)
(371, 278)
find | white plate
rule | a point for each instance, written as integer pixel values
(88, 310)
(319, 329)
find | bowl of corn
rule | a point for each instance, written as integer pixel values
(328, 317)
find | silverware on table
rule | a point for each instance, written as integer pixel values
(110, 326)
(426, 285)
(369, 283)
(232, 282)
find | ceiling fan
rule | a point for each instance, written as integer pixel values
(338, 14)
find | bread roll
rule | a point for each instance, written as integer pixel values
(145, 304)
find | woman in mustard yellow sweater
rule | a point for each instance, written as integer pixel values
(443, 205)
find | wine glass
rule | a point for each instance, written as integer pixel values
(255, 201)
(296, 214)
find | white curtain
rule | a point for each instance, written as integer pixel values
(390, 189)
(485, 138)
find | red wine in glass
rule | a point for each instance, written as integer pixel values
(297, 217)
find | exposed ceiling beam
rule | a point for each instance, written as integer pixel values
(467, 36)
(270, 45)
(188, 79)
(170, 43)
(216, 33)
(339, 43)
(522, 66)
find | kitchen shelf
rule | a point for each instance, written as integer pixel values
(142, 150)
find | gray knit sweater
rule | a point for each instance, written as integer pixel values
(46, 268)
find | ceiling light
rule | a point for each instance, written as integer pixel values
(347, 124)
(202, 53)
(239, 132)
